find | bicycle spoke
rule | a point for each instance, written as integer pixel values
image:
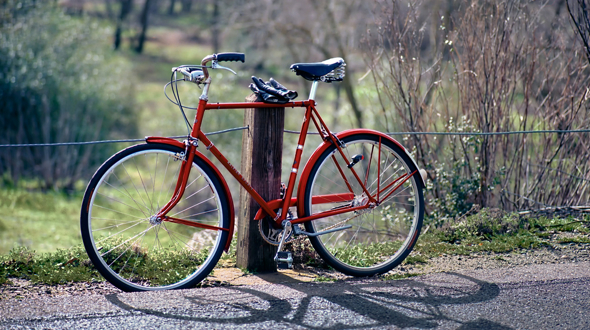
(114, 226)
(144, 187)
(126, 192)
(118, 201)
(113, 210)
(134, 186)
(193, 206)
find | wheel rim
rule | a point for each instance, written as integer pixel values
(379, 238)
(137, 248)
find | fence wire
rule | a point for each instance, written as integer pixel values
(297, 132)
(474, 133)
(112, 141)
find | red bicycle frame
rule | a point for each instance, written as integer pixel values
(269, 207)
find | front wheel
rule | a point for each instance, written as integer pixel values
(380, 237)
(136, 251)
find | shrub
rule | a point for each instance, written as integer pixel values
(59, 82)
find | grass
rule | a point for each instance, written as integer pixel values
(389, 277)
(52, 252)
(43, 222)
(60, 267)
(324, 279)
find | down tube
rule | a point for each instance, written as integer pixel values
(236, 174)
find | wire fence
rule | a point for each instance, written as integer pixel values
(297, 132)
(506, 192)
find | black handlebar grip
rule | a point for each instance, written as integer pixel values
(228, 57)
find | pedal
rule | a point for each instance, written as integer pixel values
(284, 260)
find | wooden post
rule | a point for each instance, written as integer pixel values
(262, 151)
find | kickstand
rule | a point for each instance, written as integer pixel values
(284, 259)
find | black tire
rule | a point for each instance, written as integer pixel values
(382, 237)
(133, 250)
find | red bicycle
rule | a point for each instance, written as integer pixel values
(159, 215)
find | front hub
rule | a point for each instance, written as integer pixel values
(155, 220)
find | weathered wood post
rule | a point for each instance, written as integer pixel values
(262, 150)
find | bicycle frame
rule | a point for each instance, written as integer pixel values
(268, 207)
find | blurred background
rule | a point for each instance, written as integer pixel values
(88, 70)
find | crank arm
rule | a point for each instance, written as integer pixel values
(302, 232)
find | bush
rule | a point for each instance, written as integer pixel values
(59, 82)
(63, 266)
(485, 224)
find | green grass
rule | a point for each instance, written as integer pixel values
(389, 277)
(324, 279)
(578, 240)
(62, 266)
(478, 233)
(43, 222)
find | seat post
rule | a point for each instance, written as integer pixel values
(314, 87)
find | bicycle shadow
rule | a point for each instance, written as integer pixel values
(414, 303)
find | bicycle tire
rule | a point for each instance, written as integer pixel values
(134, 251)
(382, 237)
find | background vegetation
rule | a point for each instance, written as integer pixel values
(81, 70)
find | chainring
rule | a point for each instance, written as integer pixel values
(271, 235)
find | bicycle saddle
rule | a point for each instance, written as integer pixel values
(314, 71)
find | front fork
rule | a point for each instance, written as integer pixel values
(185, 170)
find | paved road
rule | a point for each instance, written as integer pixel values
(553, 296)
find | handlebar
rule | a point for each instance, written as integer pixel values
(231, 57)
(221, 57)
(199, 74)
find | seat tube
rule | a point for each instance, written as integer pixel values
(296, 162)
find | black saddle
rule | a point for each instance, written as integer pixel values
(315, 71)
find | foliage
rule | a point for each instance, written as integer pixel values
(486, 224)
(59, 82)
(489, 230)
(431, 69)
(61, 267)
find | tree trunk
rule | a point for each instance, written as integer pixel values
(215, 27)
(171, 7)
(126, 6)
(144, 26)
(109, 9)
(187, 5)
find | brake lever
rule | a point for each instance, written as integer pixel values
(215, 65)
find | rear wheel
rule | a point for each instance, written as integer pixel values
(381, 236)
(132, 248)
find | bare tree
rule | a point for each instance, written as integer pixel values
(187, 5)
(500, 68)
(309, 29)
(145, 12)
(214, 26)
(579, 13)
(171, 7)
(126, 6)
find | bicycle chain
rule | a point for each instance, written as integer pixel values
(300, 238)
(292, 238)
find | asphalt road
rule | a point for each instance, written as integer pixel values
(550, 296)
